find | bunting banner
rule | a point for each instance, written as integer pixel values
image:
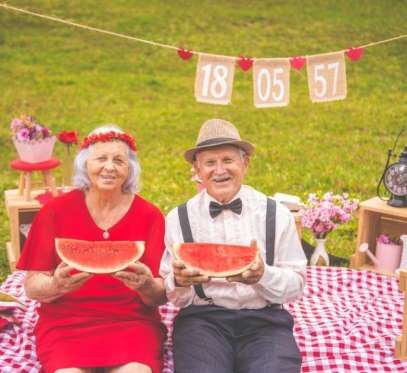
(214, 79)
(326, 73)
(271, 82)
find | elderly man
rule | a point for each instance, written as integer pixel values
(236, 324)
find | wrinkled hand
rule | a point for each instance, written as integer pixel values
(252, 275)
(66, 282)
(185, 277)
(136, 276)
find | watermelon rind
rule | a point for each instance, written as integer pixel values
(210, 273)
(139, 247)
(8, 301)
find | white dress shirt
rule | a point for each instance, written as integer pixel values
(283, 282)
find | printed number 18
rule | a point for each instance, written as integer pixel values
(217, 87)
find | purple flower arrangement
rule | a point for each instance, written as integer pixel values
(26, 128)
(325, 213)
(389, 240)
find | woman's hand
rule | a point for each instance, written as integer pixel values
(136, 276)
(46, 286)
(185, 276)
(65, 282)
(252, 275)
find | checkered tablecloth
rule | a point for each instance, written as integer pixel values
(346, 321)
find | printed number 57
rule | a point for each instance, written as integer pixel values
(321, 81)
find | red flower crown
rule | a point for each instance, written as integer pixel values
(109, 136)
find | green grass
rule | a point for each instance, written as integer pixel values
(75, 79)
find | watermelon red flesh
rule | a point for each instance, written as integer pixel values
(98, 256)
(217, 260)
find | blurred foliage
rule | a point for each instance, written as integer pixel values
(74, 79)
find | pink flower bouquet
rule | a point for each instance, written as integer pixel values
(33, 141)
(26, 128)
(323, 214)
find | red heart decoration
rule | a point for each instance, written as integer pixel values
(355, 53)
(297, 62)
(185, 54)
(245, 63)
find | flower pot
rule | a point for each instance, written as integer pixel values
(320, 256)
(35, 151)
(388, 256)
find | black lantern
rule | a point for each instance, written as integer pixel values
(395, 181)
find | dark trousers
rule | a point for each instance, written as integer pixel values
(211, 339)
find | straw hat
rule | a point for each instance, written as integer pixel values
(216, 132)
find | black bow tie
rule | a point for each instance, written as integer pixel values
(215, 208)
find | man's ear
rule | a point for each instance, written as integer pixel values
(195, 166)
(246, 161)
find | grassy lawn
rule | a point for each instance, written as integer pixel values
(76, 79)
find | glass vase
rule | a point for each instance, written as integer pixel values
(320, 256)
(67, 167)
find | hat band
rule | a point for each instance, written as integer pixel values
(218, 140)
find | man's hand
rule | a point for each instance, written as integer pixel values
(136, 276)
(252, 275)
(65, 282)
(186, 277)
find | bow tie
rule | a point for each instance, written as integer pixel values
(215, 208)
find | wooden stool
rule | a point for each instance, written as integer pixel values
(27, 168)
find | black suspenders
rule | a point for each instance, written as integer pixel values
(270, 230)
(270, 236)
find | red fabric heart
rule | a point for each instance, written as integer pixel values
(355, 54)
(185, 54)
(297, 62)
(245, 63)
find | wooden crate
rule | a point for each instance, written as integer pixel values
(12, 260)
(21, 213)
(376, 217)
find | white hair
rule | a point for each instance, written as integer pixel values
(81, 179)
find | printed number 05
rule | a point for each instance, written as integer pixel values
(264, 76)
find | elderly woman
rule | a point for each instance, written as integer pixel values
(98, 321)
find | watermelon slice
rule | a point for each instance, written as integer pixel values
(98, 256)
(215, 259)
(8, 301)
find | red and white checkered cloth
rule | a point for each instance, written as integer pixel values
(346, 321)
(17, 349)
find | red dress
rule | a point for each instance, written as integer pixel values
(104, 323)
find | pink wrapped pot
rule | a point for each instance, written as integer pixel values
(35, 151)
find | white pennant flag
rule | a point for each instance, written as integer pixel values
(271, 82)
(214, 79)
(326, 77)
